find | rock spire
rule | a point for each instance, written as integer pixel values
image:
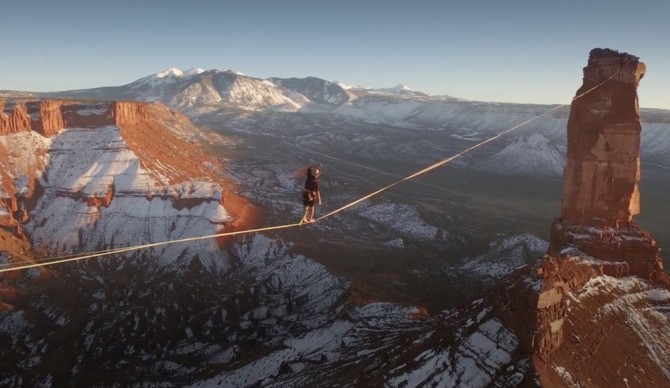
(596, 234)
(603, 159)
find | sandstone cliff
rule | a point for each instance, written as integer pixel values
(77, 176)
(48, 117)
(596, 238)
(600, 185)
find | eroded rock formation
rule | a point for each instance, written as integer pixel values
(112, 157)
(129, 113)
(50, 120)
(14, 118)
(48, 117)
(596, 234)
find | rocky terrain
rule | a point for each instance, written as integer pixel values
(461, 278)
(248, 312)
(596, 239)
(78, 176)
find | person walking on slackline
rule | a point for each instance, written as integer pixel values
(311, 195)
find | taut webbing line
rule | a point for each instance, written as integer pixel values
(43, 263)
(137, 247)
(445, 161)
(436, 165)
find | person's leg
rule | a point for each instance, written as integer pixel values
(304, 215)
(311, 214)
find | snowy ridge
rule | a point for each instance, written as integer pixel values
(171, 72)
(315, 90)
(251, 94)
(655, 142)
(542, 140)
(195, 319)
(166, 76)
(445, 114)
(393, 346)
(528, 155)
(399, 89)
(401, 218)
(193, 71)
(196, 92)
(502, 257)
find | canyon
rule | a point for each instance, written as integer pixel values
(107, 163)
(430, 284)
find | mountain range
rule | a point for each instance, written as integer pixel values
(211, 96)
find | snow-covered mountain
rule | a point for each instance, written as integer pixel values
(196, 91)
(208, 96)
(315, 89)
(400, 89)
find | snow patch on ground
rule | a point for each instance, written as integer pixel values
(13, 324)
(567, 377)
(504, 255)
(397, 243)
(473, 363)
(91, 111)
(23, 150)
(644, 307)
(404, 219)
(91, 160)
(527, 155)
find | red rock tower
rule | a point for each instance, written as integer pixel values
(596, 234)
(600, 182)
(603, 160)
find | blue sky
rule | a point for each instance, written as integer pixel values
(508, 51)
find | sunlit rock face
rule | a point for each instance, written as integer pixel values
(79, 175)
(631, 245)
(596, 235)
(48, 117)
(600, 185)
(603, 159)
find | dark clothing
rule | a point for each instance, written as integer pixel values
(312, 184)
(311, 188)
(308, 198)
